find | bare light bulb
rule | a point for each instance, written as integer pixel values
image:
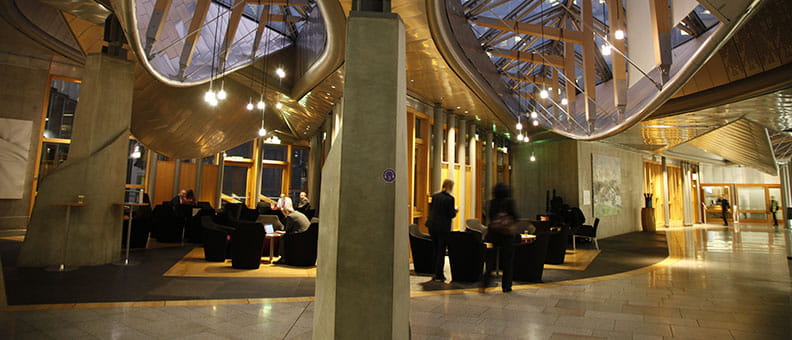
(280, 72)
(619, 35)
(535, 123)
(262, 132)
(533, 158)
(209, 96)
(249, 106)
(564, 101)
(520, 137)
(526, 139)
(278, 106)
(222, 94)
(213, 101)
(544, 94)
(605, 49)
(534, 115)
(260, 105)
(519, 126)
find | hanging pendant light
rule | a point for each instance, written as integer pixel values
(262, 131)
(619, 35)
(209, 96)
(520, 137)
(280, 72)
(534, 115)
(221, 95)
(605, 49)
(249, 105)
(278, 106)
(544, 94)
(564, 101)
(533, 158)
(535, 123)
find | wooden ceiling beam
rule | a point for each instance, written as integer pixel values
(199, 16)
(534, 58)
(233, 26)
(158, 16)
(296, 3)
(541, 31)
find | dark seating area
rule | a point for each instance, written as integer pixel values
(422, 251)
(529, 259)
(300, 249)
(466, 254)
(217, 239)
(247, 246)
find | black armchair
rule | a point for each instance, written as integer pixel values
(216, 239)
(167, 225)
(586, 232)
(466, 253)
(248, 243)
(300, 249)
(529, 259)
(422, 251)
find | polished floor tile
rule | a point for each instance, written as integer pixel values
(726, 283)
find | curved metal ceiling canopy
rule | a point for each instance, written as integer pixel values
(551, 53)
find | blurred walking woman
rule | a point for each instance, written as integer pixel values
(501, 233)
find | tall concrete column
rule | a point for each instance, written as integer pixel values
(315, 170)
(687, 195)
(362, 285)
(461, 184)
(437, 149)
(176, 176)
(152, 174)
(451, 145)
(96, 168)
(666, 208)
(487, 181)
(220, 175)
(198, 177)
(786, 193)
(472, 144)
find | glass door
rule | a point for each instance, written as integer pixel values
(753, 203)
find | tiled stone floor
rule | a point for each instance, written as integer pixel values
(725, 283)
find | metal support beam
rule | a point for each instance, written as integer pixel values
(541, 31)
(158, 15)
(589, 66)
(616, 21)
(530, 57)
(233, 25)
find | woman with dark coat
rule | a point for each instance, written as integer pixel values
(501, 211)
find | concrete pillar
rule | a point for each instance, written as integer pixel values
(315, 170)
(362, 284)
(472, 144)
(437, 149)
(687, 195)
(451, 145)
(96, 168)
(666, 208)
(220, 174)
(786, 194)
(176, 176)
(198, 177)
(487, 182)
(461, 185)
(152, 175)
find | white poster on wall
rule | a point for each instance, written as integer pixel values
(14, 148)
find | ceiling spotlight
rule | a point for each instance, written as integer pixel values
(535, 123)
(564, 101)
(619, 35)
(544, 94)
(605, 49)
(280, 72)
(534, 115)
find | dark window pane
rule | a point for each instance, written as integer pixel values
(275, 152)
(52, 156)
(244, 150)
(61, 109)
(235, 181)
(271, 182)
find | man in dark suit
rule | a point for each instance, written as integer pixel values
(441, 211)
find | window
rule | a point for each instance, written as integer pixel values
(244, 150)
(299, 172)
(58, 123)
(235, 181)
(275, 152)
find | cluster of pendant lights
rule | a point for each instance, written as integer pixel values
(214, 98)
(606, 47)
(534, 121)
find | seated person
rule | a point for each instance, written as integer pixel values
(176, 200)
(295, 222)
(304, 204)
(189, 198)
(283, 203)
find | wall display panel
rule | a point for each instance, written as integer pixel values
(606, 185)
(14, 149)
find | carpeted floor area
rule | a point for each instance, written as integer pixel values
(152, 281)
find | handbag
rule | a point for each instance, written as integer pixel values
(504, 224)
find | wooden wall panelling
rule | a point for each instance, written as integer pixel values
(209, 183)
(747, 49)
(187, 175)
(163, 187)
(731, 60)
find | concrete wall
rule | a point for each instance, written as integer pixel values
(25, 70)
(629, 219)
(556, 167)
(712, 174)
(566, 167)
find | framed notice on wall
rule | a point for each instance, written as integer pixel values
(606, 185)
(14, 148)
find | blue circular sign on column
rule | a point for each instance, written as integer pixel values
(389, 175)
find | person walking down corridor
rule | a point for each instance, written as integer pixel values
(441, 211)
